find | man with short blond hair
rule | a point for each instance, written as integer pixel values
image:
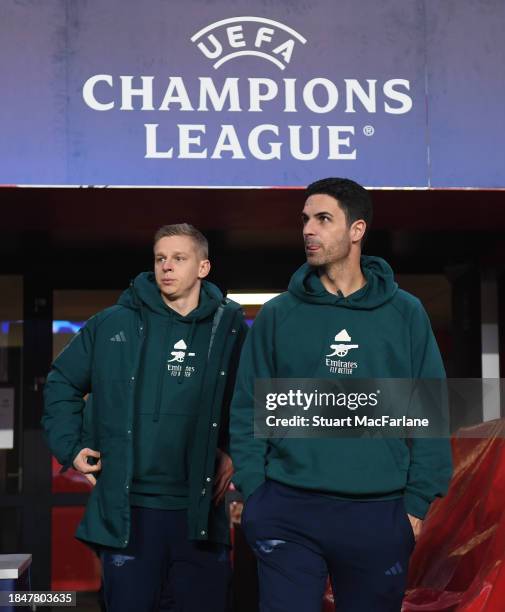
(184, 229)
(160, 367)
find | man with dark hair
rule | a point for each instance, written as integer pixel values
(160, 366)
(353, 199)
(350, 507)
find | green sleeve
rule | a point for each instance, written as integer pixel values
(257, 361)
(430, 468)
(69, 380)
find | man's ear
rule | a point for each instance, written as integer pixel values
(358, 229)
(204, 268)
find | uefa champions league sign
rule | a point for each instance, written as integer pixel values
(318, 97)
(224, 94)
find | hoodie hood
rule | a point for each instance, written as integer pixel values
(144, 292)
(380, 286)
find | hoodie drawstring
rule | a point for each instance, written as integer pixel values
(189, 342)
(156, 413)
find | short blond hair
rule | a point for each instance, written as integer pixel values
(184, 229)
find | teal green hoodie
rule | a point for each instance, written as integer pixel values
(388, 335)
(174, 358)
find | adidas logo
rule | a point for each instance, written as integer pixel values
(395, 570)
(120, 337)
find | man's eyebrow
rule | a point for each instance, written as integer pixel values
(159, 254)
(318, 214)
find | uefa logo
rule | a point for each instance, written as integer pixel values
(228, 39)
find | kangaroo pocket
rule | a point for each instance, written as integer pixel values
(162, 454)
(351, 467)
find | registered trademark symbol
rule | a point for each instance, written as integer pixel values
(369, 130)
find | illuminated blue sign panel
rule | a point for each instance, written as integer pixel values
(247, 93)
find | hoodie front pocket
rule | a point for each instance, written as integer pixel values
(162, 451)
(356, 467)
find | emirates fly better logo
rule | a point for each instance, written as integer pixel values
(340, 348)
(199, 117)
(178, 355)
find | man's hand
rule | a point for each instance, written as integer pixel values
(81, 464)
(417, 525)
(222, 479)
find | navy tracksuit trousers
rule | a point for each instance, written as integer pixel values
(299, 537)
(161, 570)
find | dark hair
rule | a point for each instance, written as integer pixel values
(184, 229)
(353, 199)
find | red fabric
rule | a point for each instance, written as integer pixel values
(74, 566)
(69, 481)
(458, 561)
(457, 564)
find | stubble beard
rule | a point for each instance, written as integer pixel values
(334, 257)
